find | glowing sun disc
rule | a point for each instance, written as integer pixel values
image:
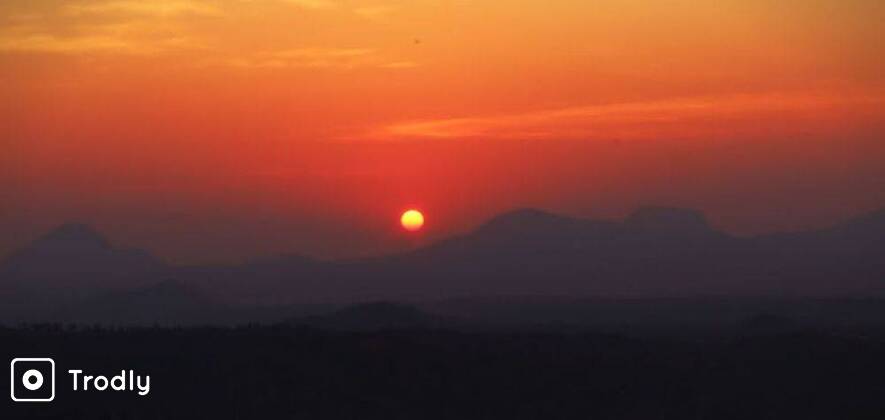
(412, 220)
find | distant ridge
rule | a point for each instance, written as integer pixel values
(373, 316)
(670, 220)
(527, 219)
(869, 227)
(656, 252)
(166, 303)
(523, 226)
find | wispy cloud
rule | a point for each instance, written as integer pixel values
(400, 65)
(104, 27)
(376, 12)
(314, 4)
(117, 38)
(674, 117)
(301, 53)
(321, 58)
(159, 26)
(150, 8)
(307, 57)
(52, 44)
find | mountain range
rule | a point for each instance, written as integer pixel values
(74, 273)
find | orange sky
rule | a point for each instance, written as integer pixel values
(207, 130)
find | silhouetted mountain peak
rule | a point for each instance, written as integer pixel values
(73, 235)
(76, 254)
(669, 220)
(526, 220)
(167, 302)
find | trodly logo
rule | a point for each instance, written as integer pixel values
(32, 379)
(125, 381)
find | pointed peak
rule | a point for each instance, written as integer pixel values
(76, 233)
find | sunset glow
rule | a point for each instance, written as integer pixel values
(460, 209)
(179, 125)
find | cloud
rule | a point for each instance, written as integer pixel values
(107, 27)
(377, 12)
(329, 57)
(46, 43)
(313, 53)
(163, 8)
(400, 65)
(159, 26)
(680, 117)
(105, 40)
(306, 57)
(313, 4)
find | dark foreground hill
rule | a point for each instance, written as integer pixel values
(375, 316)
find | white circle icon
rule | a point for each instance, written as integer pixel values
(32, 380)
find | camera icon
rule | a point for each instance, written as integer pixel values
(32, 379)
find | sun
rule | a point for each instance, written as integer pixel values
(412, 220)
